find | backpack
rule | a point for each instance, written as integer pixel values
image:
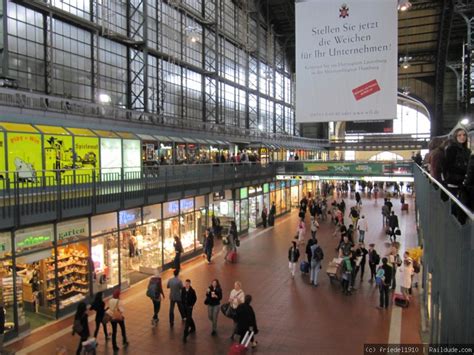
(151, 290)
(380, 276)
(416, 267)
(318, 254)
(376, 258)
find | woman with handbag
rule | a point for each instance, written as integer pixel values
(116, 313)
(81, 325)
(99, 307)
(237, 297)
(213, 300)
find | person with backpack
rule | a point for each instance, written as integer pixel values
(99, 307)
(384, 279)
(346, 268)
(293, 256)
(213, 301)
(81, 325)
(317, 256)
(374, 260)
(155, 293)
(115, 311)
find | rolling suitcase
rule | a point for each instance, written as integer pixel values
(400, 300)
(405, 207)
(238, 349)
(304, 267)
(233, 257)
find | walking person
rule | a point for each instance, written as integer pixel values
(301, 231)
(213, 301)
(374, 260)
(188, 299)
(363, 252)
(308, 250)
(246, 320)
(271, 215)
(358, 199)
(385, 282)
(314, 227)
(156, 294)
(406, 278)
(293, 256)
(393, 224)
(175, 285)
(229, 245)
(264, 216)
(363, 227)
(236, 297)
(208, 244)
(98, 305)
(317, 256)
(81, 325)
(116, 311)
(178, 249)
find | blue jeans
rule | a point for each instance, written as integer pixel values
(361, 236)
(315, 266)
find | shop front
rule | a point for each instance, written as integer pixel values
(222, 207)
(296, 193)
(243, 209)
(256, 205)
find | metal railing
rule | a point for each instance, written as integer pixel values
(447, 233)
(48, 103)
(56, 195)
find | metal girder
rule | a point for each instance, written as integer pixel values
(137, 29)
(211, 62)
(4, 38)
(441, 61)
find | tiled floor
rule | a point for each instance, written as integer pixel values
(293, 317)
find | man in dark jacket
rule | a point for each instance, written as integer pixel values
(385, 286)
(245, 319)
(188, 299)
(393, 224)
(208, 244)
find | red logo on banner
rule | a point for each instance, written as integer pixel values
(344, 11)
(366, 89)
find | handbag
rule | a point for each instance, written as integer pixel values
(117, 315)
(107, 318)
(237, 242)
(398, 232)
(228, 311)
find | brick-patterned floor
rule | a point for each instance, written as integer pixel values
(293, 317)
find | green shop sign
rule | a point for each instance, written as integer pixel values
(244, 193)
(358, 169)
(33, 241)
(71, 233)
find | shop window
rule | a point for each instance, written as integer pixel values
(104, 255)
(7, 283)
(187, 231)
(244, 215)
(170, 229)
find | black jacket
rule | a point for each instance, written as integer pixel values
(213, 301)
(388, 272)
(393, 221)
(85, 327)
(245, 318)
(99, 308)
(455, 163)
(2, 320)
(188, 298)
(293, 256)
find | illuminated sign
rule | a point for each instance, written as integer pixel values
(187, 205)
(244, 193)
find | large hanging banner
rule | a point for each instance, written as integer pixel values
(346, 60)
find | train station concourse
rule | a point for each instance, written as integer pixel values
(236, 176)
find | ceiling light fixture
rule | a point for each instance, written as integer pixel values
(465, 121)
(405, 62)
(404, 5)
(105, 98)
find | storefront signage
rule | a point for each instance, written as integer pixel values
(266, 188)
(33, 238)
(129, 217)
(86, 151)
(359, 169)
(217, 196)
(297, 177)
(72, 230)
(255, 190)
(24, 156)
(173, 208)
(187, 205)
(244, 193)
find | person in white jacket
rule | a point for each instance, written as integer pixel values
(406, 273)
(237, 297)
(363, 227)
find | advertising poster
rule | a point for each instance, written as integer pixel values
(58, 158)
(86, 154)
(131, 155)
(25, 156)
(110, 158)
(346, 60)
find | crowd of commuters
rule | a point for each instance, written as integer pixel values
(351, 252)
